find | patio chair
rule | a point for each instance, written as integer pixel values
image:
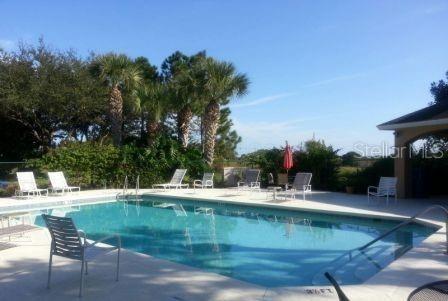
(176, 181)
(301, 183)
(207, 181)
(251, 181)
(68, 242)
(387, 187)
(28, 186)
(272, 188)
(59, 183)
(282, 179)
(341, 295)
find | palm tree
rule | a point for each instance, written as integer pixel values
(184, 78)
(120, 74)
(151, 98)
(223, 83)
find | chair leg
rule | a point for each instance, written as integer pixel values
(50, 262)
(118, 263)
(81, 285)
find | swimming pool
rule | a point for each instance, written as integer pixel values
(268, 247)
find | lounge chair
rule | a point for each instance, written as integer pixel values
(207, 181)
(59, 183)
(251, 181)
(28, 186)
(68, 242)
(176, 181)
(302, 183)
(387, 187)
(282, 179)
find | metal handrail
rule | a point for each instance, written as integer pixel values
(137, 185)
(406, 222)
(402, 224)
(125, 185)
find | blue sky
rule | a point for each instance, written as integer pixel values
(332, 69)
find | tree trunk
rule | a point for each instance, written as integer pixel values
(183, 125)
(211, 122)
(116, 115)
(152, 129)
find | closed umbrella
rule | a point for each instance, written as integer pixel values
(287, 159)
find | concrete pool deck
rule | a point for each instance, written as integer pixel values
(23, 269)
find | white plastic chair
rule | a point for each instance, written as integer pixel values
(251, 181)
(176, 181)
(59, 183)
(387, 187)
(302, 183)
(28, 186)
(207, 181)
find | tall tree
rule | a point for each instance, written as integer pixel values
(440, 91)
(119, 73)
(50, 94)
(150, 77)
(223, 83)
(152, 100)
(227, 139)
(185, 79)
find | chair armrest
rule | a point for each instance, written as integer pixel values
(83, 235)
(197, 182)
(241, 183)
(116, 236)
(372, 188)
(306, 187)
(209, 182)
(254, 184)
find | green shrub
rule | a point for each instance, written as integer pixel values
(321, 160)
(383, 167)
(91, 164)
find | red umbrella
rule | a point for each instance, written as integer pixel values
(287, 159)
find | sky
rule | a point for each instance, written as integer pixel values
(332, 70)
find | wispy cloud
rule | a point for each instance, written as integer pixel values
(262, 134)
(335, 79)
(7, 44)
(263, 100)
(319, 83)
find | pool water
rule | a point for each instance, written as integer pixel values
(272, 248)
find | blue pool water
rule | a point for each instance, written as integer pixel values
(272, 248)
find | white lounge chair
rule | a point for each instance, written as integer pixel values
(302, 183)
(68, 242)
(207, 181)
(27, 185)
(59, 183)
(176, 181)
(251, 181)
(387, 187)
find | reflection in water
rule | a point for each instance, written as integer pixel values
(273, 248)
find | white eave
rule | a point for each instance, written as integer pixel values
(396, 126)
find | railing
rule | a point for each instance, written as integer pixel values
(125, 185)
(402, 224)
(124, 193)
(360, 251)
(408, 221)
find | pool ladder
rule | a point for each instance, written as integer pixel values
(360, 250)
(124, 193)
